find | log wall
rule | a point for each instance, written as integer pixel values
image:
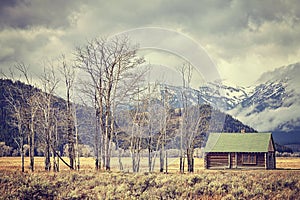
(235, 161)
(260, 161)
(216, 160)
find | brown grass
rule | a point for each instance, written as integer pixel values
(14, 163)
(203, 184)
(288, 163)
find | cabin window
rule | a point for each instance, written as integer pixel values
(249, 158)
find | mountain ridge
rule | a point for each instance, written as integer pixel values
(229, 124)
(272, 104)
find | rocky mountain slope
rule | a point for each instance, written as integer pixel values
(272, 104)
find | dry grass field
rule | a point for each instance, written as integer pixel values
(14, 163)
(283, 183)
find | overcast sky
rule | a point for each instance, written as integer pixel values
(243, 38)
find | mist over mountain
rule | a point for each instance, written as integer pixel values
(272, 104)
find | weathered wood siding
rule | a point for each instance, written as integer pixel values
(271, 160)
(260, 161)
(216, 160)
(235, 161)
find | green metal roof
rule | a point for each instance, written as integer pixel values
(238, 142)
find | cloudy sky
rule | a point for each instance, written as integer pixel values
(243, 38)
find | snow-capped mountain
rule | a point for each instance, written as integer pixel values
(223, 96)
(272, 104)
(218, 95)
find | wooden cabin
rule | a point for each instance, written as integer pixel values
(239, 151)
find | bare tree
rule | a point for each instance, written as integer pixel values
(155, 123)
(132, 123)
(88, 99)
(164, 127)
(186, 74)
(22, 101)
(138, 124)
(68, 73)
(77, 162)
(194, 121)
(154, 118)
(18, 120)
(32, 108)
(107, 63)
(135, 142)
(49, 83)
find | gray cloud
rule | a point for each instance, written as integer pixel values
(242, 37)
(25, 14)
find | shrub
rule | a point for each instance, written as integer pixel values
(99, 185)
(36, 188)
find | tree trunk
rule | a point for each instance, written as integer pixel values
(31, 145)
(54, 161)
(57, 161)
(78, 160)
(71, 150)
(183, 163)
(96, 140)
(108, 153)
(47, 153)
(138, 162)
(31, 151)
(161, 159)
(119, 153)
(107, 139)
(153, 161)
(102, 150)
(47, 157)
(71, 155)
(149, 158)
(190, 159)
(77, 147)
(181, 159)
(135, 153)
(166, 155)
(181, 169)
(120, 160)
(55, 164)
(22, 154)
(133, 161)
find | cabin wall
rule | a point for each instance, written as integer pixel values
(235, 160)
(260, 160)
(271, 160)
(216, 160)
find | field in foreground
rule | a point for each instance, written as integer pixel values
(203, 184)
(14, 163)
(115, 185)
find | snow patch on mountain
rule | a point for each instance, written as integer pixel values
(275, 103)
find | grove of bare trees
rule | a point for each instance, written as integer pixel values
(105, 77)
